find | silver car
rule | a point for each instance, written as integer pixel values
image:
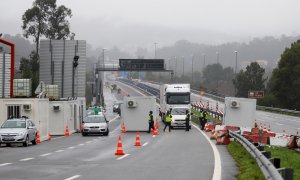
(95, 124)
(18, 130)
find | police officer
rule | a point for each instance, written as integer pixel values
(151, 121)
(187, 120)
(168, 121)
(203, 120)
(200, 117)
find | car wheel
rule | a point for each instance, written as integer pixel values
(25, 144)
(34, 141)
(106, 133)
(83, 134)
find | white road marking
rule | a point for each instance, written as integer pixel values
(57, 137)
(279, 124)
(5, 164)
(154, 136)
(60, 151)
(26, 159)
(72, 147)
(123, 157)
(218, 167)
(88, 142)
(47, 154)
(80, 144)
(116, 117)
(73, 177)
(145, 144)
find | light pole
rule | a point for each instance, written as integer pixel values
(217, 57)
(155, 50)
(192, 68)
(235, 61)
(203, 61)
(183, 68)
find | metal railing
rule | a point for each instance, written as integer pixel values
(267, 168)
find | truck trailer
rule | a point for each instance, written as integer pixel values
(176, 99)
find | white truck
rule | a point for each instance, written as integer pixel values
(176, 99)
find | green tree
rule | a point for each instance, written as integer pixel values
(30, 69)
(251, 79)
(59, 27)
(35, 19)
(285, 80)
(45, 19)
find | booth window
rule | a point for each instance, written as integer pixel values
(13, 111)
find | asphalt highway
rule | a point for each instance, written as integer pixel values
(170, 155)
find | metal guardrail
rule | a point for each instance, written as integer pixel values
(267, 168)
(278, 110)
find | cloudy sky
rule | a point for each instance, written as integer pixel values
(132, 23)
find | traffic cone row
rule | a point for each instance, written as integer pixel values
(269, 129)
(265, 129)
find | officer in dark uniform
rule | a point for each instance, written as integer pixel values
(151, 121)
(187, 120)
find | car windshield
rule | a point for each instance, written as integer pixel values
(14, 124)
(178, 98)
(180, 111)
(94, 119)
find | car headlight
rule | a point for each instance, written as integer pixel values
(21, 134)
(102, 127)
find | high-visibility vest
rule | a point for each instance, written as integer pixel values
(150, 118)
(200, 114)
(168, 118)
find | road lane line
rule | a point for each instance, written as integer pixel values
(80, 144)
(88, 142)
(47, 154)
(116, 117)
(73, 177)
(26, 159)
(72, 147)
(5, 164)
(57, 137)
(279, 124)
(218, 167)
(123, 157)
(60, 151)
(145, 144)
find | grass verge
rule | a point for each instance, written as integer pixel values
(247, 165)
(288, 158)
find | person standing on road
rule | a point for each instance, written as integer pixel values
(151, 121)
(203, 120)
(187, 120)
(200, 118)
(168, 121)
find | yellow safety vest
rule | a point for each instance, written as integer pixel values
(168, 118)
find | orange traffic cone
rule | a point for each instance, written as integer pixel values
(123, 128)
(38, 138)
(67, 131)
(49, 137)
(119, 151)
(156, 123)
(260, 126)
(137, 139)
(225, 140)
(219, 139)
(155, 131)
(265, 129)
(255, 123)
(269, 129)
(213, 134)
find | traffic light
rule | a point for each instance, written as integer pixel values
(75, 61)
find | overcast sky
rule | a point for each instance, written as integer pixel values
(132, 23)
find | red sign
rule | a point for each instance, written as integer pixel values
(256, 94)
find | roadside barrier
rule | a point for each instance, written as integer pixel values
(137, 139)
(119, 151)
(269, 167)
(67, 133)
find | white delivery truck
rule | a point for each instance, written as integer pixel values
(176, 99)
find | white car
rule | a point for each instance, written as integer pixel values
(95, 124)
(18, 130)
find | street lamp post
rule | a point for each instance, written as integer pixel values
(235, 62)
(183, 68)
(192, 69)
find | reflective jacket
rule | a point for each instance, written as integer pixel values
(150, 118)
(168, 118)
